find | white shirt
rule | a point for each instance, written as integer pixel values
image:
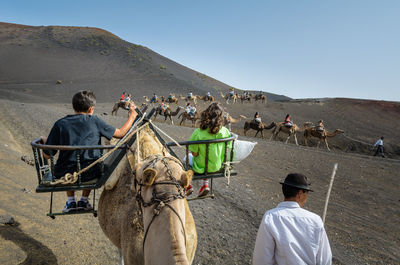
(379, 142)
(289, 234)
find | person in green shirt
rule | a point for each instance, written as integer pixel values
(210, 128)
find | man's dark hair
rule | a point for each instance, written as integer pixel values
(289, 192)
(83, 100)
(382, 137)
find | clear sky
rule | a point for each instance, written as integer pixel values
(298, 48)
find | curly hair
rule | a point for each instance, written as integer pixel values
(212, 118)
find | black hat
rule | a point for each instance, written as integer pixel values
(297, 180)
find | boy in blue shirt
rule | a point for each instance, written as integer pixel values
(82, 128)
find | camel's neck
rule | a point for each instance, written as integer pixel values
(165, 242)
(332, 134)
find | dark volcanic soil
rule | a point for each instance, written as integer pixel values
(361, 221)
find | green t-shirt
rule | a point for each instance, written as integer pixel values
(216, 151)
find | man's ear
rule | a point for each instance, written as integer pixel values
(148, 176)
(186, 178)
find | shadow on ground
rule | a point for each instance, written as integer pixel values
(36, 252)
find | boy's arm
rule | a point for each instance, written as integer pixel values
(119, 133)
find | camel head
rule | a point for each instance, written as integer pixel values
(157, 168)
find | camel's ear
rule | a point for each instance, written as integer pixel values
(148, 176)
(186, 178)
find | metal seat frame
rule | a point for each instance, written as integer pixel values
(107, 166)
(206, 174)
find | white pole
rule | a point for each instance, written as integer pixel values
(329, 191)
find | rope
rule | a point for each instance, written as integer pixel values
(348, 137)
(161, 131)
(72, 178)
(227, 170)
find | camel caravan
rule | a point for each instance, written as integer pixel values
(308, 129)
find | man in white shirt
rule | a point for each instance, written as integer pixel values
(289, 234)
(379, 149)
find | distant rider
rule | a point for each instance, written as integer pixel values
(288, 122)
(208, 95)
(122, 98)
(320, 126)
(153, 99)
(231, 93)
(164, 106)
(190, 110)
(257, 118)
(127, 101)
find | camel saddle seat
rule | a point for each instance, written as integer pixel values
(319, 128)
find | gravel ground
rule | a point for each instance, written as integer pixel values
(362, 219)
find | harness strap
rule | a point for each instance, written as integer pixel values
(157, 212)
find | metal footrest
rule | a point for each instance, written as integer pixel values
(53, 215)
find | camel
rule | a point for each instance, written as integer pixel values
(251, 124)
(172, 100)
(186, 116)
(210, 98)
(167, 114)
(245, 98)
(154, 101)
(228, 120)
(227, 97)
(187, 99)
(280, 127)
(147, 231)
(321, 135)
(261, 97)
(117, 105)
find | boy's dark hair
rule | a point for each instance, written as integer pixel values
(83, 100)
(212, 118)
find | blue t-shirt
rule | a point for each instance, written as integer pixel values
(78, 129)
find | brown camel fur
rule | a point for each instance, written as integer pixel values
(187, 99)
(167, 114)
(123, 221)
(245, 98)
(210, 98)
(263, 98)
(228, 121)
(321, 135)
(117, 105)
(227, 97)
(280, 127)
(251, 124)
(148, 100)
(186, 116)
(172, 100)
